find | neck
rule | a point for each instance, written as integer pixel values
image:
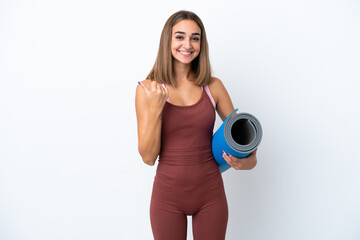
(182, 72)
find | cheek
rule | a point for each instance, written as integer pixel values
(174, 45)
(197, 46)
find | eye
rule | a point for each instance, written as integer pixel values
(179, 37)
(196, 39)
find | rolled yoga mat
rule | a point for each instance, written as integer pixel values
(240, 134)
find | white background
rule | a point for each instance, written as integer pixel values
(69, 166)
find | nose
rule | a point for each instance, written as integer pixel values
(187, 43)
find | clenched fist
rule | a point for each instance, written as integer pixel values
(156, 95)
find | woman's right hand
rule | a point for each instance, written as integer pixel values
(149, 102)
(156, 95)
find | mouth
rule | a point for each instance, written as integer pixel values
(185, 53)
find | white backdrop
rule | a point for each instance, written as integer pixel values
(69, 166)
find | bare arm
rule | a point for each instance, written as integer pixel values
(149, 102)
(224, 107)
(223, 101)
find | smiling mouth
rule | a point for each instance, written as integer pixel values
(185, 53)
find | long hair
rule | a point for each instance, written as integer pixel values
(163, 72)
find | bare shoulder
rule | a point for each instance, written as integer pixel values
(223, 101)
(215, 81)
(216, 88)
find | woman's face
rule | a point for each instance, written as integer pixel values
(185, 41)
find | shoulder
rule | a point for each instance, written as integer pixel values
(216, 83)
(216, 88)
(222, 98)
(214, 80)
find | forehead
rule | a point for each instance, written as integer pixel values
(187, 26)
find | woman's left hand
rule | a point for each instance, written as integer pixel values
(241, 163)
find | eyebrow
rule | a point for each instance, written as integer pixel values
(184, 33)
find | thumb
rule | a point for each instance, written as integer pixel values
(166, 91)
(144, 87)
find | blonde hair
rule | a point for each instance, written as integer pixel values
(163, 72)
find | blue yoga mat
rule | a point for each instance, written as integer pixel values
(240, 134)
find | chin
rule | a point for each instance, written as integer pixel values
(185, 61)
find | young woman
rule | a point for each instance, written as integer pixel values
(175, 109)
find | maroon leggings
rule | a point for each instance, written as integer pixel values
(181, 190)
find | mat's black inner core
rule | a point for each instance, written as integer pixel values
(243, 132)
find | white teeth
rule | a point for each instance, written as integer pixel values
(185, 53)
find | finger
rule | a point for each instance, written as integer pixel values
(159, 89)
(227, 158)
(228, 155)
(157, 86)
(144, 87)
(153, 86)
(166, 91)
(253, 154)
(162, 89)
(232, 161)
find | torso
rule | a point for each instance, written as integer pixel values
(184, 95)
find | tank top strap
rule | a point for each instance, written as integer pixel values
(207, 90)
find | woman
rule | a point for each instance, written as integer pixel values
(175, 109)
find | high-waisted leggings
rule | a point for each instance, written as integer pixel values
(195, 190)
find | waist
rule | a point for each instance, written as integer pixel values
(186, 156)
